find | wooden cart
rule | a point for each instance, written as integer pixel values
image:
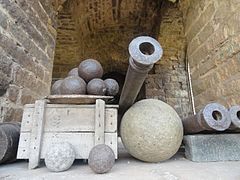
(81, 125)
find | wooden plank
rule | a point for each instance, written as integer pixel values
(70, 118)
(36, 133)
(76, 99)
(82, 143)
(99, 122)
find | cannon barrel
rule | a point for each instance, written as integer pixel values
(234, 113)
(144, 52)
(213, 117)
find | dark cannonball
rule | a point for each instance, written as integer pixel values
(90, 69)
(56, 87)
(73, 72)
(112, 87)
(101, 159)
(73, 85)
(96, 87)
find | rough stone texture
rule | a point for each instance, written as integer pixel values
(212, 33)
(96, 87)
(218, 147)
(101, 159)
(151, 131)
(60, 157)
(112, 87)
(169, 81)
(27, 43)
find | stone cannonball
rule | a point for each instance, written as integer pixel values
(60, 157)
(73, 72)
(151, 131)
(90, 69)
(56, 87)
(73, 85)
(112, 87)
(101, 158)
(96, 87)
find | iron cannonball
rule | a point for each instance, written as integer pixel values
(151, 130)
(90, 69)
(112, 87)
(101, 159)
(73, 85)
(73, 72)
(56, 87)
(96, 87)
(60, 157)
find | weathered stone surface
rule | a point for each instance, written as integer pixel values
(96, 87)
(101, 158)
(60, 157)
(151, 131)
(212, 147)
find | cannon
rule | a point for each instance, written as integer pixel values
(213, 117)
(144, 52)
(234, 113)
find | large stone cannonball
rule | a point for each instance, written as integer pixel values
(73, 85)
(96, 87)
(60, 156)
(151, 131)
(56, 87)
(90, 69)
(101, 158)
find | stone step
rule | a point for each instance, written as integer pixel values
(212, 147)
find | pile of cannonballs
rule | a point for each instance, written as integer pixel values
(86, 79)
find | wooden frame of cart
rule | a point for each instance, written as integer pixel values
(83, 126)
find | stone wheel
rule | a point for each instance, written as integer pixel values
(60, 157)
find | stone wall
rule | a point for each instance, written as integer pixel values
(169, 82)
(212, 31)
(27, 43)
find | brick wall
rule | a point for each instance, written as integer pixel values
(170, 80)
(27, 43)
(212, 30)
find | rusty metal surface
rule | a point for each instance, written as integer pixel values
(112, 87)
(73, 85)
(144, 52)
(90, 69)
(213, 117)
(96, 87)
(234, 113)
(56, 87)
(73, 72)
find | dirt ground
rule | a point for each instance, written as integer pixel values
(126, 167)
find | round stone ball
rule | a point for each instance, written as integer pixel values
(151, 131)
(73, 72)
(60, 157)
(101, 159)
(56, 87)
(73, 85)
(90, 69)
(96, 87)
(112, 87)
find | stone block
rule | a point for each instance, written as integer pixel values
(212, 147)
